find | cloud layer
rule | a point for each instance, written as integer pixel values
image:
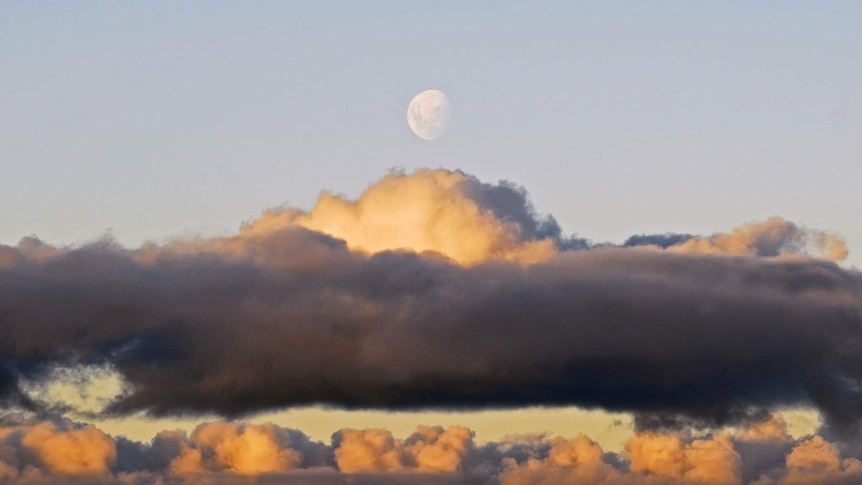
(435, 290)
(222, 452)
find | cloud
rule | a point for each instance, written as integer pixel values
(232, 453)
(434, 449)
(429, 449)
(451, 213)
(245, 450)
(662, 241)
(711, 460)
(371, 450)
(770, 238)
(424, 293)
(55, 447)
(575, 461)
(773, 237)
(815, 461)
(772, 429)
(81, 451)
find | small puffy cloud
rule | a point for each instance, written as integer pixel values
(369, 450)
(814, 461)
(430, 449)
(242, 449)
(576, 461)
(434, 449)
(83, 450)
(773, 237)
(814, 454)
(711, 460)
(579, 451)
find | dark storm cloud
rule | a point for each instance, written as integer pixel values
(283, 315)
(298, 319)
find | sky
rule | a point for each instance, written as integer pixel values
(149, 120)
(165, 162)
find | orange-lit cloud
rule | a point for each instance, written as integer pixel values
(64, 450)
(245, 450)
(675, 456)
(434, 449)
(429, 449)
(80, 451)
(773, 237)
(575, 461)
(447, 212)
(221, 452)
(371, 450)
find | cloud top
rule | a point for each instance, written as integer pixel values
(448, 212)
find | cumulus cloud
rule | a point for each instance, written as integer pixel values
(371, 450)
(435, 290)
(710, 460)
(448, 212)
(245, 450)
(434, 449)
(222, 452)
(814, 461)
(430, 449)
(773, 237)
(575, 461)
(55, 447)
(82, 451)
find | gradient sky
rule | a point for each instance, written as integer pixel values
(148, 120)
(155, 119)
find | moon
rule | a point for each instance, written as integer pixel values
(428, 114)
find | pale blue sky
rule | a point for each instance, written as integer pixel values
(160, 118)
